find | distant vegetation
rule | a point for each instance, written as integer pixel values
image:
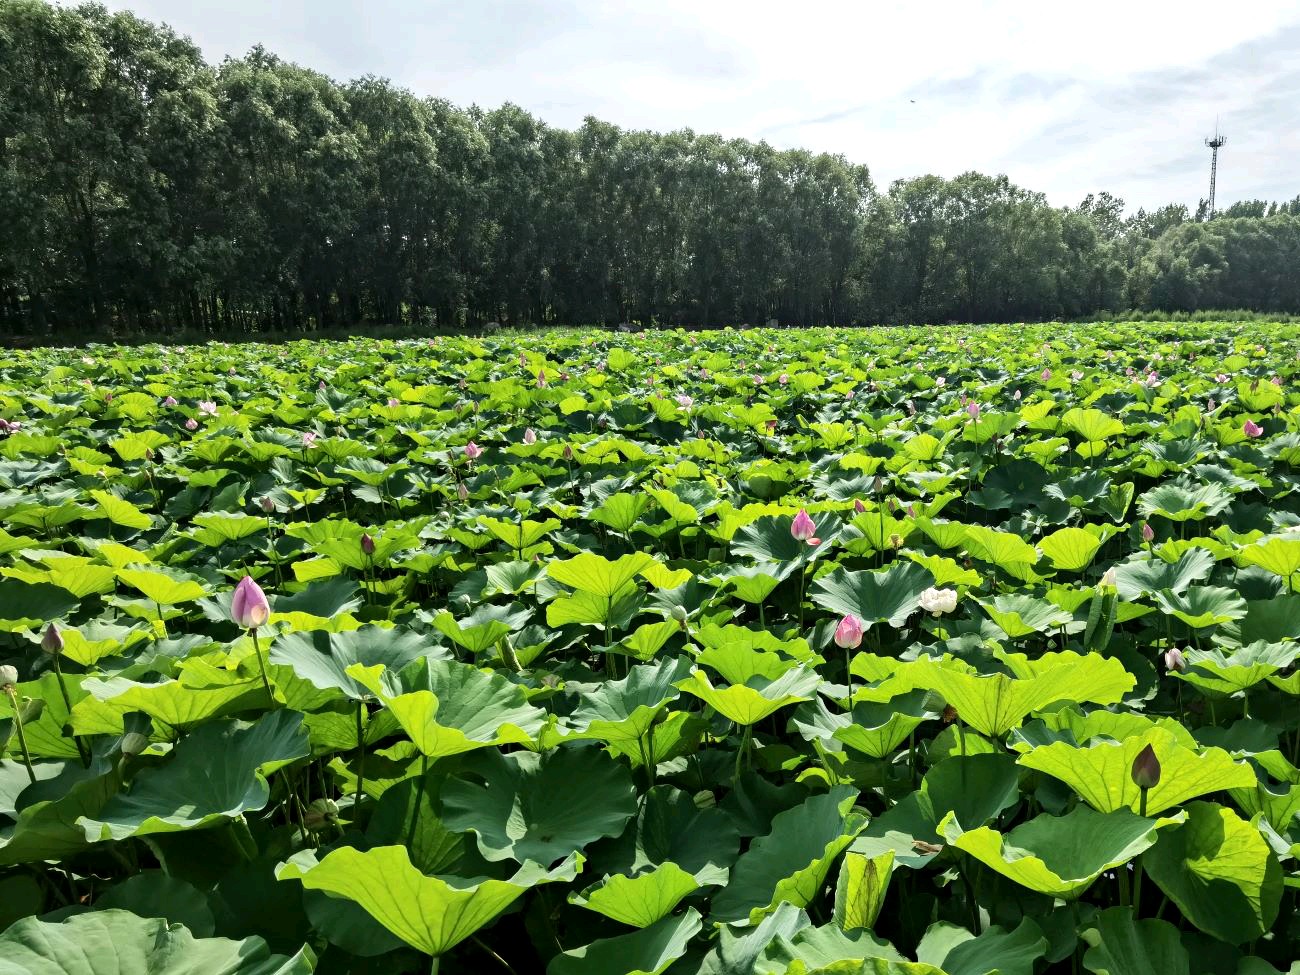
(142, 189)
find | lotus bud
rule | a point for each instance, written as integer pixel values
(1047, 374)
(877, 484)
(541, 378)
(1146, 769)
(679, 614)
(911, 511)
(462, 491)
(1252, 429)
(568, 452)
(937, 602)
(1148, 533)
(266, 504)
(52, 641)
(848, 635)
(1108, 579)
(367, 544)
(191, 424)
(132, 744)
(309, 439)
(169, 401)
(803, 527)
(1016, 397)
(1174, 660)
(973, 408)
(603, 422)
(530, 436)
(394, 401)
(248, 607)
(771, 427)
(8, 676)
(473, 451)
(858, 506)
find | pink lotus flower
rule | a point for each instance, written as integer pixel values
(207, 408)
(7, 427)
(783, 379)
(859, 507)
(309, 438)
(1277, 380)
(473, 451)
(848, 635)
(802, 528)
(169, 401)
(1252, 429)
(462, 491)
(1076, 375)
(1047, 374)
(1221, 377)
(684, 401)
(974, 410)
(1016, 397)
(1174, 660)
(771, 426)
(541, 378)
(941, 381)
(394, 401)
(530, 436)
(191, 424)
(321, 385)
(248, 607)
(1148, 533)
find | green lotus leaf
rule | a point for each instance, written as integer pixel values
(827, 946)
(994, 704)
(1100, 773)
(959, 952)
(163, 587)
(216, 528)
(597, 575)
(860, 889)
(1237, 670)
(792, 861)
(215, 773)
(172, 702)
(1120, 944)
(670, 827)
(112, 942)
(1056, 855)
(1004, 549)
(621, 511)
(1203, 606)
(1071, 549)
(1280, 556)
(449, 708)
(29, 606)
(739, 949)
(522, 805)
(649, 951)
(121, 512)
(747, 704)
(1019, 615)
(592, 609)
(641, 900)
(1144, 577)
(154, 893)
(624, 710)
(1184, 502)
(484, 627)
(1071, 725)
(1220, 872)
(431, 914)
(889, 596)
(873, 728)
(323, 658)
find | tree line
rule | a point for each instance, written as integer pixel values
(143, 189)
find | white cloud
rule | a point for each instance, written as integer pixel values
(1066, 99)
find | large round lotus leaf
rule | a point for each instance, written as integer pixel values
(323, 658)
(646, 952)
(1056, 855)
(115, 942)
(525, 806)
(1220, 872)
(431, 914)
(1120, 943)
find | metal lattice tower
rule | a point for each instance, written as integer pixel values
(1215, 144)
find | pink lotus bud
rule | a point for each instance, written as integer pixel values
(858, 506)
(473, 451)
(367, 544)
(1146, 769)
(1047, 374)
(1174, 660)
(911, 511)
(974, 410)
(523, 360)
(309, 438)
(1148, 533)
(1277, 380)
(848, 635)
(52, 641)
(783, 379)
(1016, 397)
(191, 424)
(684, 401)
(803, 528)
(394, 401)
(530, 436)
(248, 607)
(462, 491)
(941, 381)
(568, 452)
(266, 504)
(1209, 405)
(321, 385)
(541, 378)
(169, 401)
(1252, 429)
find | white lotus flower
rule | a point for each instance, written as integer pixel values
(939, 601)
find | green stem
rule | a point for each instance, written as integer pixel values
(67, 703)
(18, 726)
(261, 664)
(361, 764)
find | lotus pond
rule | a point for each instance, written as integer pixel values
(927, 650)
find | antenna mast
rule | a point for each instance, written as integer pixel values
(1214, 144)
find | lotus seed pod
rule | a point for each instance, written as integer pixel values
(321, 814)
(133, 743)
(679, 614)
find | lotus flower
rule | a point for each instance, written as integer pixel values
(858, 506)
(1016, 397)
(207, 408)
(1146, 769)
(462, 491)
(941, 381)
(973, 408)
(8, 676)
(1148, 533)
(802, 528)
(394, 401)
(783, 379)
(169, 401)
(937, 602)
(771, 426)
(1047, 374)
(309, 438)
(473, 451)
(1252, 429)
(848, 635)
(52, 641)
(1221, 377)
(1108, 578)
(191, 424)
(684, 401)
(248, 607)
(1174, 660)
(541, 378)
(266, 504)
(321, 386)
(367, 544)
(530, 436)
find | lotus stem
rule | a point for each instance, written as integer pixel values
(261, 664)
(361, 766)
(18, 727)
(67, 703)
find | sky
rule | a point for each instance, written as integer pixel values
(1066, 99)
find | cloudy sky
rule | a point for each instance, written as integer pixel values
(1115, 94)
